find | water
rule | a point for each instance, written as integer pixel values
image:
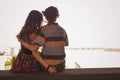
(76, 58)
(92, 59)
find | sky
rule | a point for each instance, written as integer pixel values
(88, 23)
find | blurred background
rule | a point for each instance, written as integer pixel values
(93, 28)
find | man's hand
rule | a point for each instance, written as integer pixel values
(52, 70)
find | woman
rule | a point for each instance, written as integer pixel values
(53, 39)
(27, 61)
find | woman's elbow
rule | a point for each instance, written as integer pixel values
(34, 53)
(34, 48)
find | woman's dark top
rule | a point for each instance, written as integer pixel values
(25, 50)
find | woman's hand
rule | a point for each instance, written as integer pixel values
(52, 69)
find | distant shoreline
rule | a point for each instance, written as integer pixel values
(97, 49)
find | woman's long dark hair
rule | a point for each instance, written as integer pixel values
(32, 25)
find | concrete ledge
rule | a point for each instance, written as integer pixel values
(68, 74)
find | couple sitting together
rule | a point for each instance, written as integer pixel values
(51, 37)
